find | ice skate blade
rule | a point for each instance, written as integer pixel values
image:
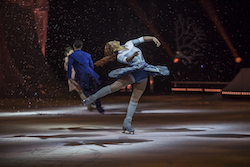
(101, 110)
(128, 131)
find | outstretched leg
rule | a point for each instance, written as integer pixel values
(117, 85)
(82, 96)
(138, 90)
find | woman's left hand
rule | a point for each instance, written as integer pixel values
(157, 42)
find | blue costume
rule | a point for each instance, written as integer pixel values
(137, 69)
(83, 65)
(85, 75)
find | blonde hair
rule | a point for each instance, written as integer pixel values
(108, 50)
(67, 50)
(109, 55)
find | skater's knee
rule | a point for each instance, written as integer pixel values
(134, 99)
(136, 95)
(117, 85)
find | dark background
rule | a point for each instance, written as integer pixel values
(97, 22)
(25, 72)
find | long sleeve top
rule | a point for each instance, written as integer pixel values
(83, 64)
(137, 63)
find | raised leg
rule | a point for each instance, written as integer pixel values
(117, 85)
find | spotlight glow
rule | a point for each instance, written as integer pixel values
(213, 16)
(140, 13)
(176, 60)
(238, 59)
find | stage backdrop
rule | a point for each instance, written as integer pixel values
(23, 69)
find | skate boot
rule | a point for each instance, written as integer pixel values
(87, 101)
(101, 110)
(90, 108)
(99, 106)
(129, 129)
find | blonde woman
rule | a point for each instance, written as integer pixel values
(135, 73)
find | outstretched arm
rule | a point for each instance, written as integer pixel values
(154, 39)
(104, 60)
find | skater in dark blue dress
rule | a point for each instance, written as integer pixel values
(135, 73)
(85, 75)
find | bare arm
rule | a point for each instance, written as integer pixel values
(104, 60)
(66, 63)
(151, 38)
(146, 39)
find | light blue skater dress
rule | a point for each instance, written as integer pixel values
(137, 64)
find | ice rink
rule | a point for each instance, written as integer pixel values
(170, 131)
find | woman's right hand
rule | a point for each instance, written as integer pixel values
(156, 41)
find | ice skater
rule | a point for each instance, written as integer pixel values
(135, 73)
(85, 75)
(73, 85)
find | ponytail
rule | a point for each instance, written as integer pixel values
(110, 55)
